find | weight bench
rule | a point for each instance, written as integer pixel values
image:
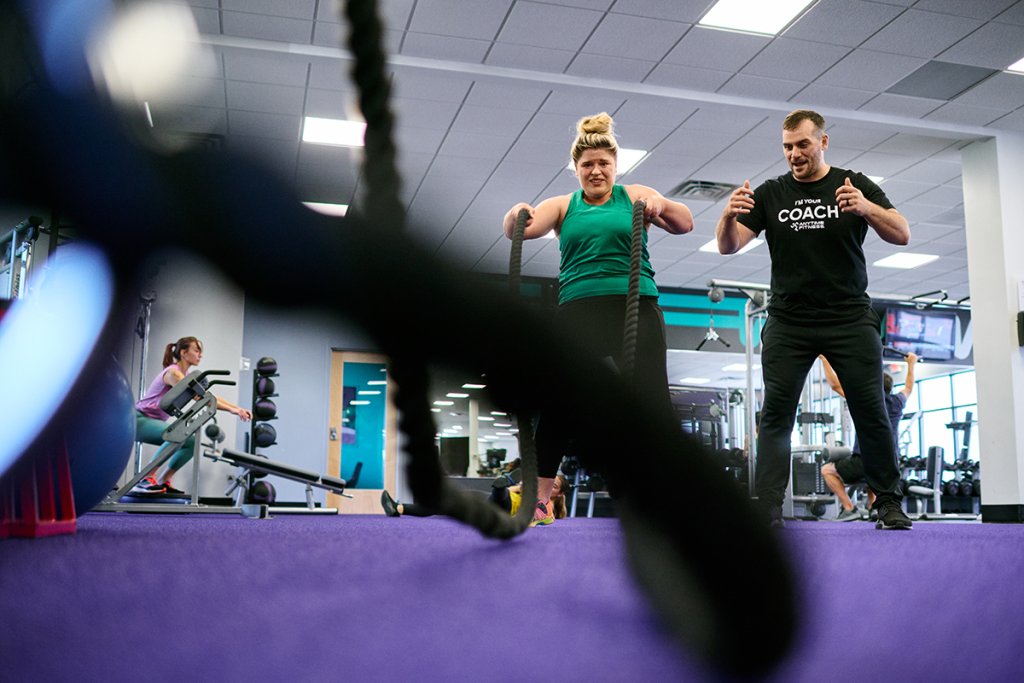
(255, 463)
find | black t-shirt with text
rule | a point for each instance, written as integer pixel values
(818, 269)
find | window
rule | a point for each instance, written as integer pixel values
(934, 393)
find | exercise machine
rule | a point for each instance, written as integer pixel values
(192, 406)
(259, 466)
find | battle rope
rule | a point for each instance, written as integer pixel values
(524, 421)
(67, 149)
(383, 206)
(632, 324)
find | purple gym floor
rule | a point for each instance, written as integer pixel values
(371, 598)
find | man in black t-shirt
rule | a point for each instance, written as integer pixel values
(815, 219)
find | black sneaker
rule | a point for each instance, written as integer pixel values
(170, 489)
(389, 504)
(891, 516)
(775, 520)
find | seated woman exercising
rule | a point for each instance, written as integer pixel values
(151, 421)
(504, 496)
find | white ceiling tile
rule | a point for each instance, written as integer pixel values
(825, 96)
(913, 144)
(477, 145)
(262, 67)
(506, 95)
(903, 105)
(332, 104)
(493, 119)
(917, 212)
(445, 47)
(859, 20)
(612, 68)
(708, 48)
(275, 152)
(581, 102)
(424, 113)
(535, 24)
(620, 35)
(263, 27)
(993, 46)
(761, 87)
(877, 163)
(954, 112)
(451, 18)
(295, 9)
(418, 140)
(870, 70)
(331, 74)
(794, 60)
(434, 86)
(1013, 15)
(977, 9)
(207, 20)
(1001, 91)
(855, 135)
(921, 34)
(676, 10)
(687, 77)
(932, 171)
(899, 190)
(949, 195)
(1014, 121)
(273, 99)
(534, 59)
(653, 111)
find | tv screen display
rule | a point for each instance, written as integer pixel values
(927, 333)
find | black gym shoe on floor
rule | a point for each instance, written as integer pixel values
(170, 489)
(389, 504)
(891, 516)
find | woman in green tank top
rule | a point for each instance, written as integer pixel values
(594, 227)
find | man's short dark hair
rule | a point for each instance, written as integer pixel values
(887, 382)
(795, 118)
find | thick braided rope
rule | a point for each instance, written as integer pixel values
(632, 324)
(408, 369)
(383, 202)
(527, 445)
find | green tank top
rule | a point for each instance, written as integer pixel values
(594, 242)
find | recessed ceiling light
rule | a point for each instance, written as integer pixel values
(333, 132)
(474, 386)
(498, 412)
(876, 179)
(502, 424)
(435, 410)
(628, 159)
(694, 380)
(905, 259)
(455, 394)
(754, 16)
(1017, 67)
(359, 403)
(444, 403)
(328, 209)
(368, 392)
(712, 246)
(485, 418)
(378, 382)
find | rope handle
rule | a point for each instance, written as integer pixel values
(631, 329)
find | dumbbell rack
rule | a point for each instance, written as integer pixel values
(814, 502)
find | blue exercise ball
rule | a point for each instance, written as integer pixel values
(100, 434)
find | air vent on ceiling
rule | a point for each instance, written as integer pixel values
(702, 190)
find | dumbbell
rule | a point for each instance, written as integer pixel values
(951, 488)
(966, 487)
(977, 488)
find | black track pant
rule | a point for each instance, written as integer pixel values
(855, 351)
(598, 323)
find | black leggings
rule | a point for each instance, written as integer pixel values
(598, 323)
(855, 351)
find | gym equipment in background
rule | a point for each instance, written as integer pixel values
(192, 406)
